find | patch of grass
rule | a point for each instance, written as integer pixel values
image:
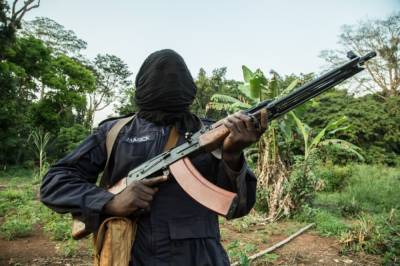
(266, 259)
(69, 248)
(233, 249)
(58, 227)
(326, 223)
(370, 201)
(16, 172)
(11, 199)
(22, 211)
(244, 224)
(372, 189)
(239, 251)
(375, 234)
(15, 227)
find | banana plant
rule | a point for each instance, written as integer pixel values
(312, 145)
(256, 88)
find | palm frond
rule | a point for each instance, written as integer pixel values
(343, 145)
(222, 98)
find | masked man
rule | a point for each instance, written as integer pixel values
(174, 229)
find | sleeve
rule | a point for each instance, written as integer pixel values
(242, 182)
(69, 185)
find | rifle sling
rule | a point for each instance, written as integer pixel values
(110, 140)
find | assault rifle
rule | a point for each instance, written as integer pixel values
(176, 161)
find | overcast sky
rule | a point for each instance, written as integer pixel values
(284, 35)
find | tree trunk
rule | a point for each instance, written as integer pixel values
(273, 175)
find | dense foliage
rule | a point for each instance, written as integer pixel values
(47, 85)
(374, 124)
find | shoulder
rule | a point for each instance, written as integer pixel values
(107, 124)
(114, 119)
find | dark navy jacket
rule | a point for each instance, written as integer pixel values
(177, 230)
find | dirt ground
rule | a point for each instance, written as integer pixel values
(307, 249)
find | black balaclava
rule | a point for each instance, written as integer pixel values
(165, 90)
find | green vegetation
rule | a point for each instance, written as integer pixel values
(372, 189)
(23, 214)
(307, 161)
(360, 206)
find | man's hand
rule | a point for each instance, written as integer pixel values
(244, 131)
(137, 195)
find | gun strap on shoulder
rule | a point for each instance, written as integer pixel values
(172, 139)
(110, 140)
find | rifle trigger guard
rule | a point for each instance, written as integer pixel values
(166, 172)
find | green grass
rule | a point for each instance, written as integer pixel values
(22, 212)
(334, 177)
(360, 206)
(326, 223)
(371, 189)
(16, 173)
(375, 234)
(18, 204)
(58, 227)
(15, 227)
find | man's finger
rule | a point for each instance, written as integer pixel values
(145, 196)
(141, 203)
(230, 126)
(237, 122)
(145, 189)
(154, 180)
(251, 123)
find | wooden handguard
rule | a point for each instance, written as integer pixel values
(203, 191)
(214, 138)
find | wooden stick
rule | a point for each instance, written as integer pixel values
(277, 245)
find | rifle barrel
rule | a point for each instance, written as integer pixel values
(312, 89)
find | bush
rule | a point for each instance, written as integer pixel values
(68, 139)
(334, 177)
(301, 182)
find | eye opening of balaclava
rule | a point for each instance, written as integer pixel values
(165, 89)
